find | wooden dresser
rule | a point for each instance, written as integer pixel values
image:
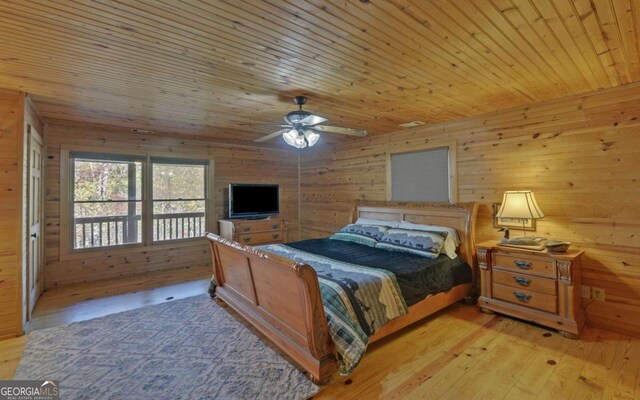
(254, 232)
(536, 286)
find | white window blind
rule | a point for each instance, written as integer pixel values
(421, 175)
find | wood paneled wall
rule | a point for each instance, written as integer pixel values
(11, 104)
(232, 164)
(16, 114)
(580, 154)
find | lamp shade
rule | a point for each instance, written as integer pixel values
(519, 205)
(312, 137)
(290, 137)
(300, 142)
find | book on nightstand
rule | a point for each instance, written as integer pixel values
(524, 242)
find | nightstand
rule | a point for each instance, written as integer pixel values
(536, 286)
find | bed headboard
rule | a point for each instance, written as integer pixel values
(461, 216)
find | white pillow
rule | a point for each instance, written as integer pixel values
(451, 243)
(369, 221)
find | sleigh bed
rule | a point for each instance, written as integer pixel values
(281, 297)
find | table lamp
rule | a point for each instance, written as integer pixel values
(521, 205)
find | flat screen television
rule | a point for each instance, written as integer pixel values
(253, 201)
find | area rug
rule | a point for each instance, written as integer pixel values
(184, 349)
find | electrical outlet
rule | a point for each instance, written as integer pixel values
(586, 292)
(597, 294)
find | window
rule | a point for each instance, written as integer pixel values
(178, 199)
(423, 175)
(117, 200)
(107, 200)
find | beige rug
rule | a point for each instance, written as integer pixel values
(183, 349)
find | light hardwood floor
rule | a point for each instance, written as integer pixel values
(464, 354)
(80, 302)
(459, 353)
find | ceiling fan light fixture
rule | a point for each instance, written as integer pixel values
(295, 139)
(290, 137)
(300, 142)
(303, 129)
(311, 136)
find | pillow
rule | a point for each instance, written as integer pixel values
(381, 222)
(364, 234)
(424, 243)
(451, 243)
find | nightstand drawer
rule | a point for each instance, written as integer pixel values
(524, 281)
(526, 264)
(260, 238)
(258, 226)
(526, 298)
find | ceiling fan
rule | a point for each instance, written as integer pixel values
(303, 129)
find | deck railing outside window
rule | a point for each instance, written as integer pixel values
(122, 229)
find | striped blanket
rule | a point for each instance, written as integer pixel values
(357, 301)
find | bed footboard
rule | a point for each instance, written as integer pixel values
(281, 298)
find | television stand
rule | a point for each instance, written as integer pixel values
(254, 231)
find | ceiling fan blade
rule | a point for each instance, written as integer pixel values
(313, 120)
(344, 131)
(272, 135)
(259, 124)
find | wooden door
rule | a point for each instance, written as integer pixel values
(35, 223)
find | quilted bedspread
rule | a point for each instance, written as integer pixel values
(357, 300)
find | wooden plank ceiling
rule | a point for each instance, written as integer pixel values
(210, 68)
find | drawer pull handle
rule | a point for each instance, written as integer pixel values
(522, 264)
(246, 228)
(525, 298)
(522, 281)
(275, 236)
(247, 240)
(275, 226)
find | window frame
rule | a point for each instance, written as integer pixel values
(176, 161)
(66, 250)
(451, 147)
(99, 156)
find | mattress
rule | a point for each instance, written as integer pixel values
(417, 276)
